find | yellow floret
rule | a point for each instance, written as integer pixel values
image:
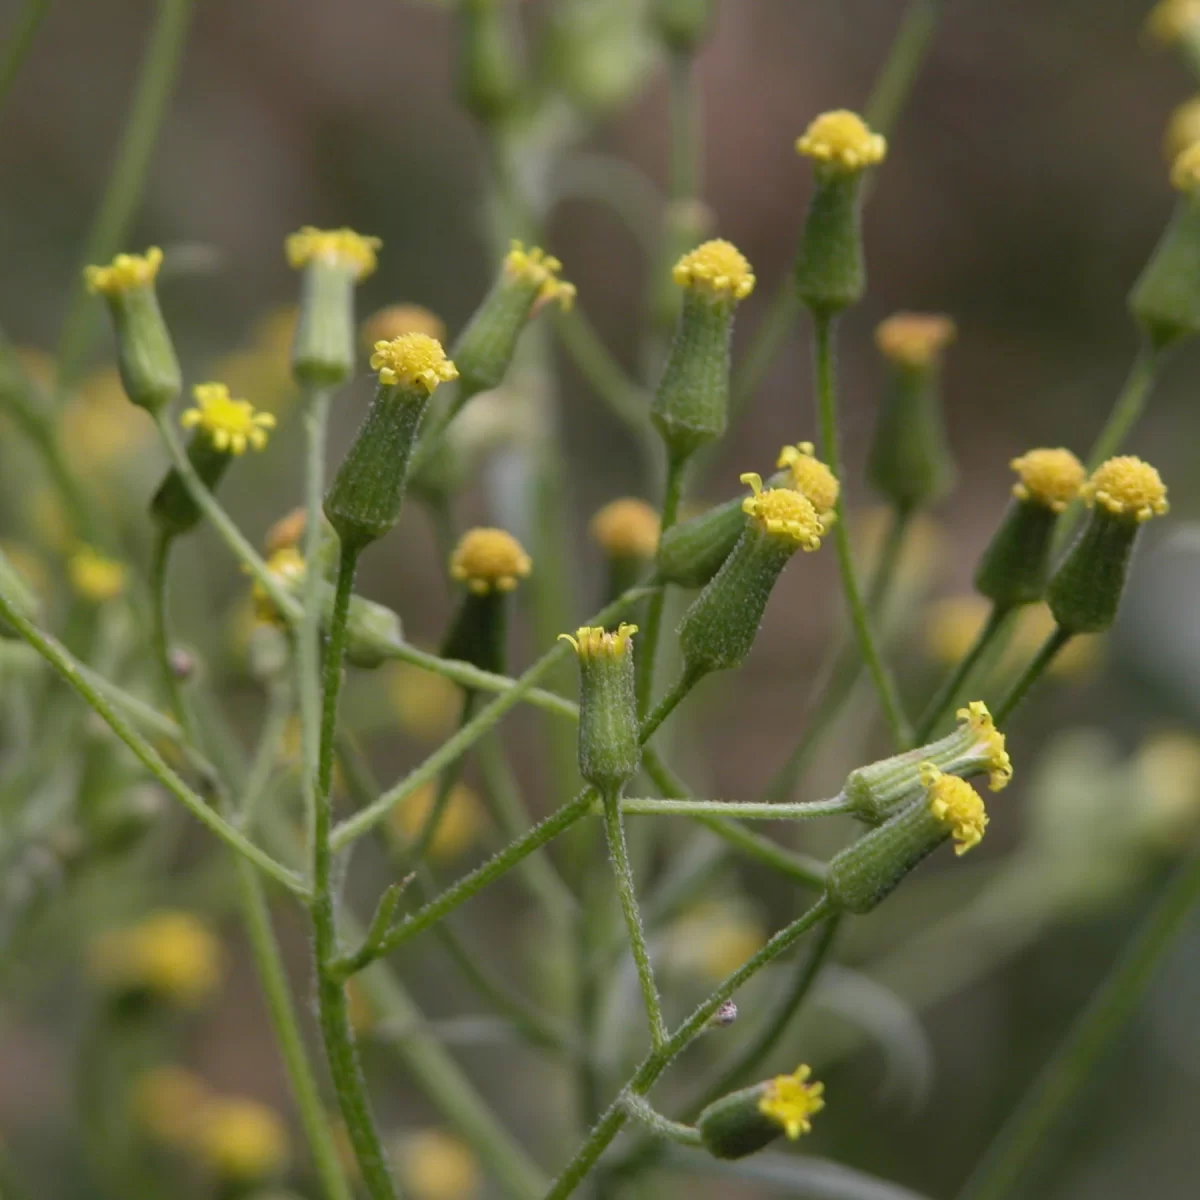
(488, 560)
(811, 478)
(413, 360)
(593, 641)
(841, 140)
(535, 266)
(336, 247)
(627, 528)
(435, 1165)
(717, 268)
(914, 340)
(125, 272)
(782, 512)
(1183, 129)
(792, 1102)
(242, 1140)
(957, 805)
(95, 577)
(458, 828)
(1171, 20)
(1127, 487)
(398, 319)
(1185, 170)
(991, 743)
(231, 425)
(1051, 478)
(170, 954)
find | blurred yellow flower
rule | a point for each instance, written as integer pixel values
(952, 624)
(99, 428)
(172, 955)
(241, 1140)
(1166, 771)
(426, 705)
(169, 1103)
(715, 938)
(435, 1165)
(95, 577)
(461, 823)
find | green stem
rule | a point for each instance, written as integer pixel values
(1030, 1127)
(151, 99)
(665, 707)
(160, 637)
(416, 852)
(619, 857)
(675, 1131)
(829, 447)
(909, 48)
(332, 1004)
(657, 1061)
(648, 650)
(16, 47)
(1041, 660)
(70, 670)
(739, 810)
(266, 755)
(953, 684)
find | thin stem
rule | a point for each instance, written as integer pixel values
(151, 100)
(618, 854)
(648, 650)
(830, 451)
(71, 671)
(365, 820)
(907, 55)
(657, 1061)
(332, 1004)
(266, 755)
(652, 1119)
(665, 707)
(1030, 1126)
(445, 786)
(953, 684)
(739, 810)
(160, 637)
(1041, 660)
(16, 47)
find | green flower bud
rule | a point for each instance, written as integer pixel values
(224, 429)
(333, 261)
(691, 404)
(1085, 593)
(364, 500)
(683, 25)
(145, 354)
(878, 791)
(719, 628)
(490, 562)
(910, 461)
(609, 746)
(830, 275)
(1015, 567)
(529, 280)
(745, 1121)
(868, 870)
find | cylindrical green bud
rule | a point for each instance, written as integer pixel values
(910, 461)
(745, 1121)
(879, 790)
(609, 746)
(830, 275)
(529, 279)
(683, 25)
(1016, 565)
(333, 261)
(1085, 593)
(489, 61)
(364, 500)
(868, 870)
(173, 509)
(145, 354)
(692, 552)
(719, 628)
(1165, 300)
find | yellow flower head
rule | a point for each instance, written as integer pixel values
(172, 955)
(458, 828)
(717, 268)
(782, 512)
(413, 360)
(593, 641)
(489, 560)
(426, 705)
(1185, 170)
(537, 267)
(952, 624)
(792, 1102)
(811, 478)
(1127, 487)
(230, 425)
(398, 319)
(168, 1102)
(842, 141)
(627, 528)
(124, 273)
(241, 1140)
(914, 340)
(957, 805)
(990, 743)
(287, 566)
(287, 533)
(95, 577)
(435, 1165)
(1171, 20)
(1183, 129)
(1051, 478)
(336, 247)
